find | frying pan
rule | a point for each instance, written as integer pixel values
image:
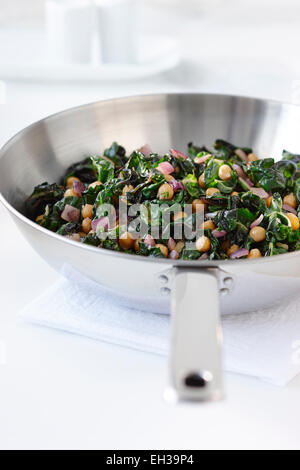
(196, 291)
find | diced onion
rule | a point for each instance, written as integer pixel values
(239, 253)
(70, 213)
(257, 221)
(165, 168)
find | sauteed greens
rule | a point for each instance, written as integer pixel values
(250, 206)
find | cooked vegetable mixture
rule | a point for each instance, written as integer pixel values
(250, 205)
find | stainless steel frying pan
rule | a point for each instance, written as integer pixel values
(194, 289)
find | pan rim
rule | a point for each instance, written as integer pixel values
(166, 261)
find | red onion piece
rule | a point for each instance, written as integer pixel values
(176, 185)
(78, 187)
(177, 154)
(165, 168)
(260, 192)
(102, 221)
(149, 240)
(249, 182)
(171, 244)
(239, 171)
(173, 254)
(70, 214)
(204, 256)
(241, 154)
(257, 221)
(219, 234)
(146, 150)
(239, 253)
(289, 208)
(201, 159)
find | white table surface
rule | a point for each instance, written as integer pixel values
(63, 391)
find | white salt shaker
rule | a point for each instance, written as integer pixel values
(117, 25)
(69, 26)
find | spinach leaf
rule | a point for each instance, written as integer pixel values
(290, 156)
(52, 216)
(42, 195)
(194, 150)
(104, 168)
(192, 187)
(110, 189)
(296, 189)
(253, 202)
(116, 153)
(190, 254)
(211, 172)
(69, 228)
(90, 194)
(266, 174)
(91, 239)
(83, 170)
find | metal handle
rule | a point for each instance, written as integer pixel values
(195, 354)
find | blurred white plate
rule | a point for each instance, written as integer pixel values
(23, 57)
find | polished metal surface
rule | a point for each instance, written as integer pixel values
(195, 366)
(45, 149)
(42, 151)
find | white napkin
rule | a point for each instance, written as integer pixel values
(263, 344)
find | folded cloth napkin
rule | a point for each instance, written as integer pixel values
(263, 344)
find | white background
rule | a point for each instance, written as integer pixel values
(64, 391)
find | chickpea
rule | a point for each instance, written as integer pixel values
(70, 181)
(179, 247)
(198, 205)
(254, 253)
(201, 181)
(179, 215)
(269, 201)
(163, 249)
(127, 188)
(70, 192)
(203, 244)
(126, 240)
(252, 157)
(86, 225)
(75, 237)
(232, 249)
(168, 178)
(294, 220)
(225, 172)
(234, 193)
(211, 191)
(136, 244)
(40, 218)
(87, 211)
(258, 234)
(95, 184)
(208, 224)
(290, 200)
(165, 192)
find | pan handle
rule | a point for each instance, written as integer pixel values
(195, 366)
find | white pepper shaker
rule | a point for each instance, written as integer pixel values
(69, 29)
(117, 22)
